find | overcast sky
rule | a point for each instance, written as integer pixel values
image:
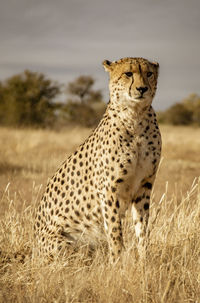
(67, 38)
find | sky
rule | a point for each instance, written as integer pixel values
(68, 38)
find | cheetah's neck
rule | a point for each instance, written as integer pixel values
(132, 119)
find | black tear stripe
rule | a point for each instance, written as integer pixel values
(131, 82)
(131, 86)
(140, 70)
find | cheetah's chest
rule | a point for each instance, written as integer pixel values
(145, 153)
(148, 152)
(145, 149)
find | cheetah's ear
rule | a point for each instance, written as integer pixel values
(108, 65)
(155, 64)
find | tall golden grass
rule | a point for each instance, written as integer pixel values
(171, 270)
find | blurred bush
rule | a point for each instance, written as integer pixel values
(26, 99)
(186, 112)
(30, 99)
(87, 115)
(85, 106)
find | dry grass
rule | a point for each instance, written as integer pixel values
(171, 271)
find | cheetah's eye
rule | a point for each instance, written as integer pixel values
(129, 74)
(149, 74)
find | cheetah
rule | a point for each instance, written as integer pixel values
(112, 171)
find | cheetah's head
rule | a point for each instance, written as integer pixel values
(132, 81)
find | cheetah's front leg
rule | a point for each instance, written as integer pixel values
(140, 213)
(112, 224)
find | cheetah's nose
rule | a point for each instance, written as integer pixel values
(142, 89)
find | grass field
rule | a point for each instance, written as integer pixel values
(171, 271)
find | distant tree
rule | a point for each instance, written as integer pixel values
(178, 114)
(27, 99)
(184, 113)
(81, 90)
(84, 104)
(192, 104)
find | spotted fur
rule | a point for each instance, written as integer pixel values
(112, 171)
